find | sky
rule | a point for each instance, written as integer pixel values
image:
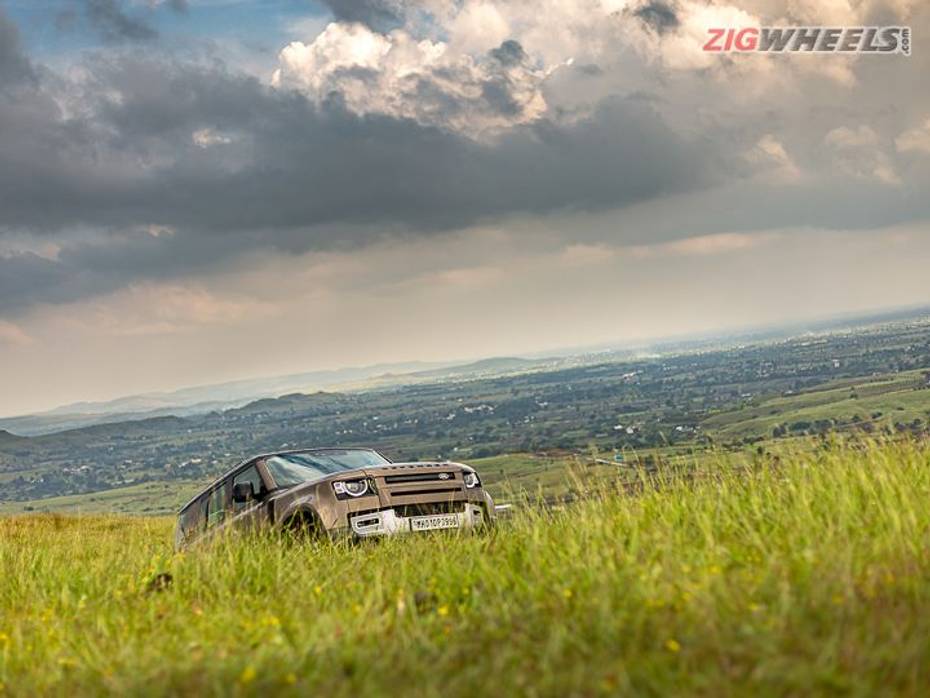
(196, 191)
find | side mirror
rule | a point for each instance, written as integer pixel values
(243, 492)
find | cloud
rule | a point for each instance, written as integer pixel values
(774, 160)
(113, 24)
(915, 140)
(28, 279)
(469, 119)
(859, 152)
(707, 245)
(660, 16)
(844, 137)
(13, 335)
(207, 137)
(397, 75)
(381, 15)
(231, 165)
(15, 67)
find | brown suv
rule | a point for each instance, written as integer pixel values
(340, 491)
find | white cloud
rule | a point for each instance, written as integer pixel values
(859, 152)
(705, 245)
(398, 75)
(479, 27)
(207, 137)
(439, 72)
(915, 140)
(770, 153)
(845, 137)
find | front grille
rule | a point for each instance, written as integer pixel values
(429, 508)
(419, 477)
(432, 492)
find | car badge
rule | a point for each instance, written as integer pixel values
(444, 476)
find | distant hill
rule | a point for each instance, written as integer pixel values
(224, 396)
(6, 438)
(200, 399)
(41, 424)
(485, 368)
(506, 364)
(241, 391)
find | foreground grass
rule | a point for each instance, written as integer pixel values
(809, 577)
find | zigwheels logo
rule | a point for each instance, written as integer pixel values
(876, 40)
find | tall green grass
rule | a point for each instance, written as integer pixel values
(809, 576)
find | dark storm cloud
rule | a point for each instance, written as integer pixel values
(88, 269)
(658, 15)
(112, 22)
(294, 176)
(15, 68)
(291, 164)
(380, 15)
(27, 279)
(498, 91)
(509, 53)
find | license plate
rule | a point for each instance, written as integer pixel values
(431, 523)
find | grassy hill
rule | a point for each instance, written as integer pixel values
(149, 498)
(809, 575)
(882, 401)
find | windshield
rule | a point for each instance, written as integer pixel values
(291, 469)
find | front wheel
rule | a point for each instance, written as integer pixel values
(302, 526)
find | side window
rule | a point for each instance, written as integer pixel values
(190, 522)
(218, 504)
(250, 474)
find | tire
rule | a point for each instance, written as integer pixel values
(303, 526)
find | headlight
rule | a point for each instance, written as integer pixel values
(471, 480)
(351, 488)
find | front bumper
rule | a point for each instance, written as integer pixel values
(387, 522)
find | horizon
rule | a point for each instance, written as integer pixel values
(753, 334)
